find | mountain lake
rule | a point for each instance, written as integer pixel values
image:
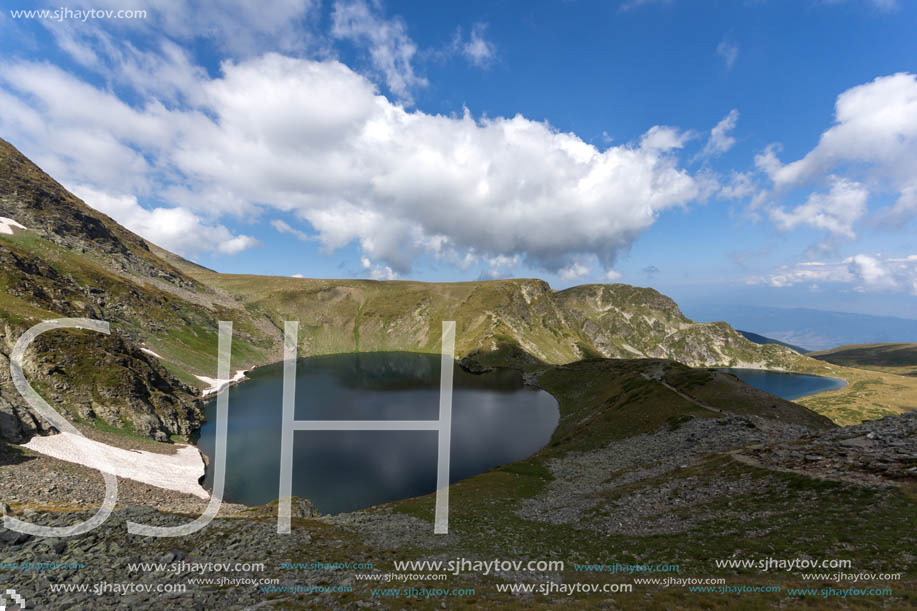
(495, 420)
(789, 386)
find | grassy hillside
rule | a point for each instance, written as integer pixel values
(868, 394)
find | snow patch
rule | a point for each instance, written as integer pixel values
(755, 365)
(148, 351)
(180, 471)
(217, 385)
(7, 224)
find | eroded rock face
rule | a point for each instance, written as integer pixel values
(17, 422)
(88, 376)
(622, 321)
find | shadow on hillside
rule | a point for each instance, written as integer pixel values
(12, 455)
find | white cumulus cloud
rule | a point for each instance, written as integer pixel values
(176, 229)
(875, 124)
(612, 276)
(836, 211)
(316, 140)
(574, 271)
(870, 152)
(376, 271)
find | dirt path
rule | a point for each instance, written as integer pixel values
(683, 395)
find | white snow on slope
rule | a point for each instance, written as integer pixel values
(217, 385)
(7, 224)
(180, 471)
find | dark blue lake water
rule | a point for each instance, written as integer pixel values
(495, 420)
(787, 386)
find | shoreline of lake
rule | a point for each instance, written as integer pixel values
(788, 385)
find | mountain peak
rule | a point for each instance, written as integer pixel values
(34, 200)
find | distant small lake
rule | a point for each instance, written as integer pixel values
(787, 386)
(495, 420)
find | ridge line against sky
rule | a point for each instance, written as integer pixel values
(757, 152)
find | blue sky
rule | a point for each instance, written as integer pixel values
(758, 152)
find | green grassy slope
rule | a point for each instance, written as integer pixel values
(602, 400)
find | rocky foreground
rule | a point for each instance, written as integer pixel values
(677, 481)
(877, 453)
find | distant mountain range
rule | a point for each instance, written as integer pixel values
(760, 339)
(811, 329)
